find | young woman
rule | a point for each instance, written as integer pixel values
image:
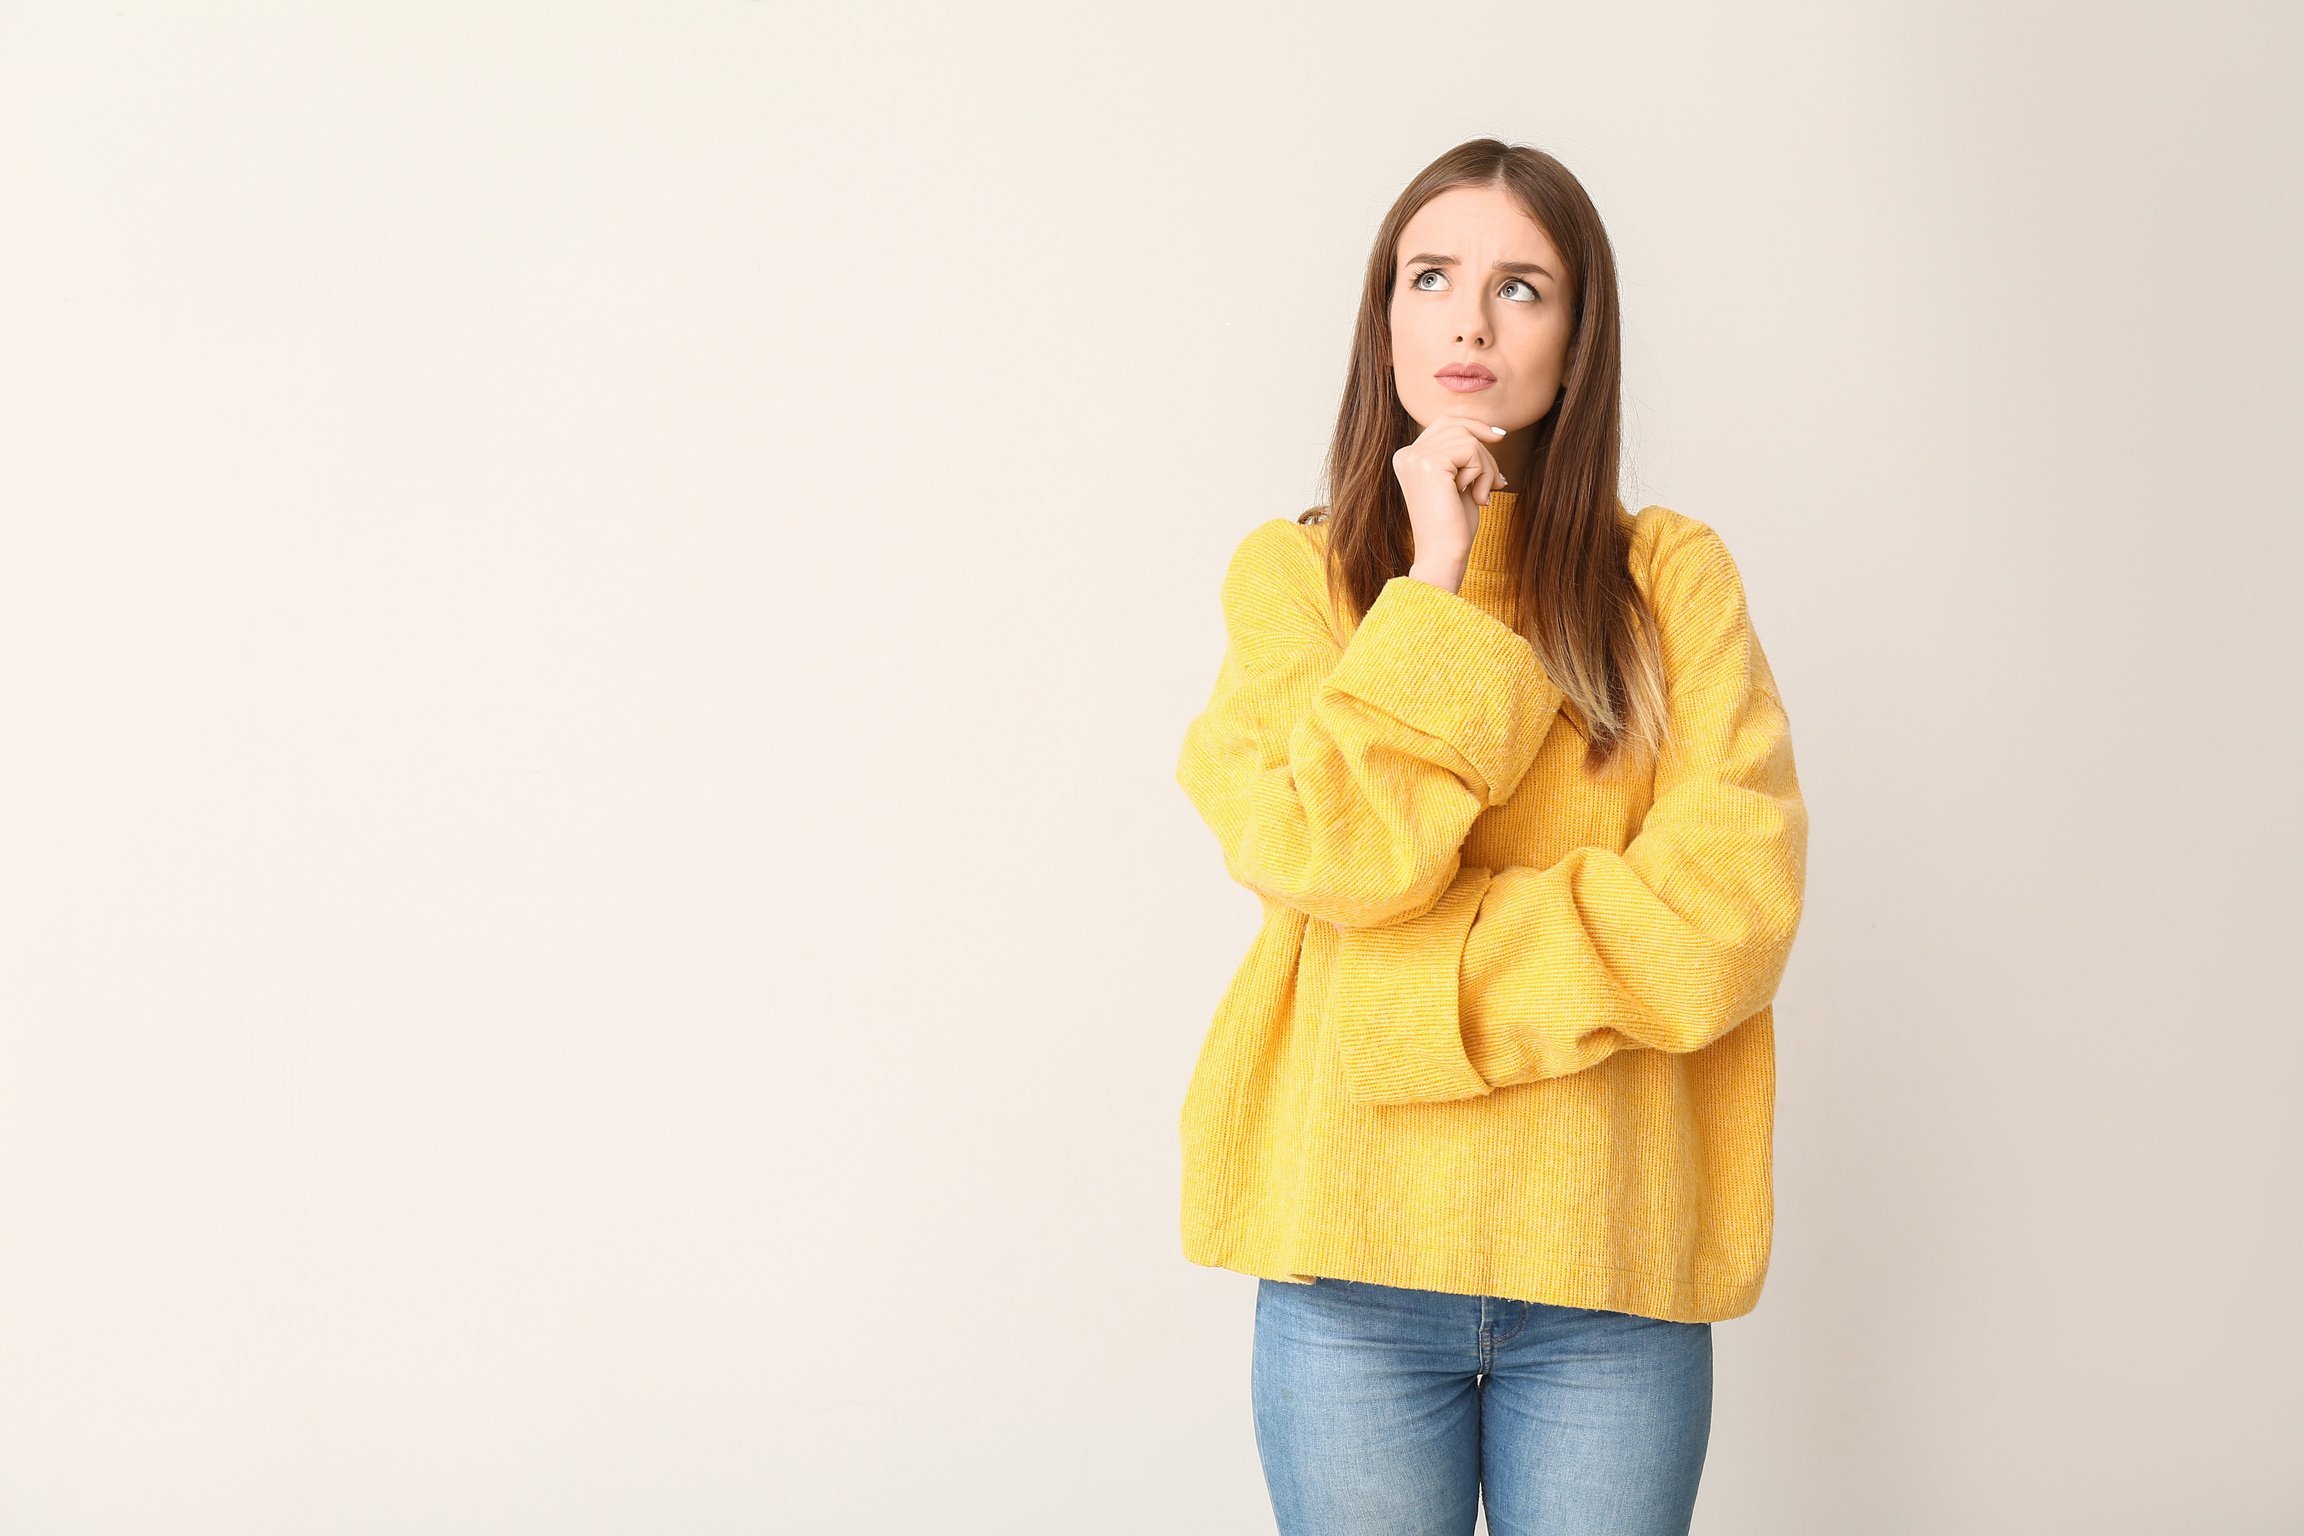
(1488, 1106)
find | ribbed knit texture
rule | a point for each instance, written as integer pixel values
(1507, 1026)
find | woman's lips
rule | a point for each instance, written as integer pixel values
(1464, 384)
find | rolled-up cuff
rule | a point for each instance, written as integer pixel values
(1396, 1003)
(1443, 665)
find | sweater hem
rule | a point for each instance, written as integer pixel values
(1514, 1274)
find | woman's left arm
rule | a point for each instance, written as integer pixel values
(1524, 973)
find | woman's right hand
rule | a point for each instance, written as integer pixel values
(1445, 475)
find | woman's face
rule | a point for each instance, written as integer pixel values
(1476, 281)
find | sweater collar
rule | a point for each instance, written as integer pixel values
(1492, 540)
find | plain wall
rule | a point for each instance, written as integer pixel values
(597, 608)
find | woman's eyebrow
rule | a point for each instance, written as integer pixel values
(1502, 266)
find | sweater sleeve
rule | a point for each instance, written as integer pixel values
(1522, 973)
(1341, 779)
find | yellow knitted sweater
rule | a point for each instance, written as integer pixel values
(1506, 1028)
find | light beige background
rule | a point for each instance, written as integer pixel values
(597, 607)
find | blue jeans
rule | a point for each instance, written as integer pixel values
(1394, 1412)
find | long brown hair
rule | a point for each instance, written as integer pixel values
(1573, 597)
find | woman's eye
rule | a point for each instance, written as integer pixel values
(1520, 282)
